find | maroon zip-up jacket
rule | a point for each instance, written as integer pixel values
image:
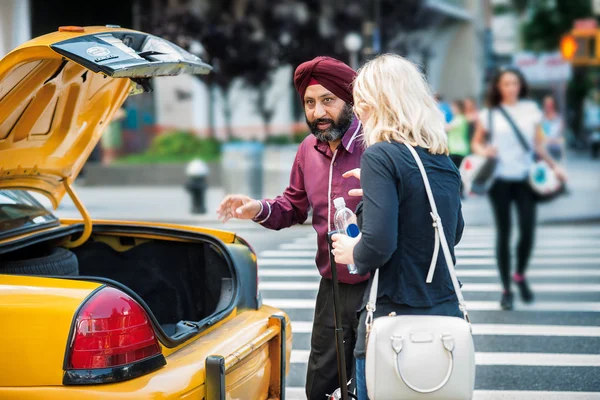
(316, 179)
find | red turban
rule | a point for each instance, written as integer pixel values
(333, 74)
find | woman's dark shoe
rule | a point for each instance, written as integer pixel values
(507, 301)
(524, 289)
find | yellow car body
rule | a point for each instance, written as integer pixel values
(54, 105)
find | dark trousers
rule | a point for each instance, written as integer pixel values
(322, 375)
(457, 160)
(502, 195)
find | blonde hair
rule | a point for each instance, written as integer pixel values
(400, 103)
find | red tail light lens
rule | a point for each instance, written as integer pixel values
(111, 330)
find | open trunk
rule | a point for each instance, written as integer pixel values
(182, 283)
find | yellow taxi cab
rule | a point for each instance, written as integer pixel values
(114, 309)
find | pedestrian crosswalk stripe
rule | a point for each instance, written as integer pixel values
(284, 262)
(298, 393)
(468, 287)
(502, 330)
(536, 330)
(475, 231)
(532, 395)
(547, 230)
(534, 260)
(538, 359)
(574, 306)
(483, 243)
(523, 359)
(592, 251)
(540, 273)
(560, 253)
(480, 243)
(298, 246)
(287, 272)
(302, 326)
(481, 273)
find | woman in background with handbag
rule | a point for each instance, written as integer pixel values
(404, 130)
(514, 132)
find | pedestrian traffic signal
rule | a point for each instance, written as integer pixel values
(568, 47)
(579, 46)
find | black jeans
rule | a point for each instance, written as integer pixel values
(457, 160)
(322, 375)
(502, 194)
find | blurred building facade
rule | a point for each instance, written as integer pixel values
(546, 72)
(15, 24)
(505, 31)
(448, 43)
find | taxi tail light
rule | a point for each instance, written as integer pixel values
(111, 330)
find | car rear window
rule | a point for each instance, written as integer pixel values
(20, 212)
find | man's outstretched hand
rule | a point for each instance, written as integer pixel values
(238, 206)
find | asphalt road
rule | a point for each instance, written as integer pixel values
(548, 350)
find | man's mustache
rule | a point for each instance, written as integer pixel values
(323, 121)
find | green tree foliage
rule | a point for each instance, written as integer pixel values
(177, 146)
(247, 40)
(549, 20)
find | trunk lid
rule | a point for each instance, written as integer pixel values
(59, 92)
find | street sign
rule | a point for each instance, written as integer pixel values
(543, 68)
(587, 24)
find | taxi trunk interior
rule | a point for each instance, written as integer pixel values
(179, 281)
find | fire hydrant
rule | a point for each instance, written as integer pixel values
(197, 173)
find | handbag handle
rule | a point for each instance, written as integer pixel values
(448, 343)
(440, 236)
(490, 130)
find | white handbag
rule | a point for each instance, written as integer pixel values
(421, 356)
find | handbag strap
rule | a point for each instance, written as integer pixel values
(440, 237)
(516, 130)
(490, 130)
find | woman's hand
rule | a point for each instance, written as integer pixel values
(490, 151)
(343, 248)
(356, 174)
(560, 173)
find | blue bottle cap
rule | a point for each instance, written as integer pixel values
(352, 230)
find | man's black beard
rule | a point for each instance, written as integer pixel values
(336, 130)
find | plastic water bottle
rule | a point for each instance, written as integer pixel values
(345, 223)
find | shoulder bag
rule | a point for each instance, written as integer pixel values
(479, 172)
(542, 179)
(420, 356)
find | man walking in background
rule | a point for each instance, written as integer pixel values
(325, 88)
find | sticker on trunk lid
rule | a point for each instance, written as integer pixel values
(98, 51)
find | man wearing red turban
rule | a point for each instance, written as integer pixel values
(325, 88)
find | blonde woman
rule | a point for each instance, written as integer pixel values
(395, 105)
